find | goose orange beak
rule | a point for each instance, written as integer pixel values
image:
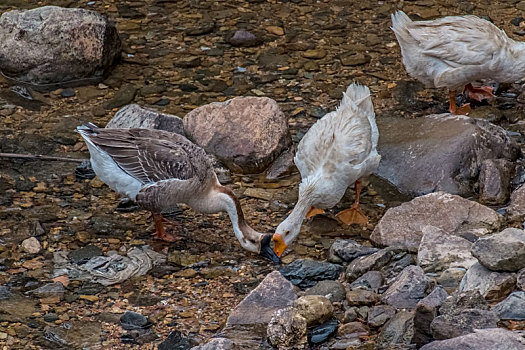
(279, 246)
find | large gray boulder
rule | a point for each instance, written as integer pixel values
(480, 339)
(245, 133)
(55, 45)
(402, 226)
(439, 152)
(504, 251)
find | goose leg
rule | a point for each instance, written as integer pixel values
(479, 93)
(453, 108)
(353, 215)
(160, 231)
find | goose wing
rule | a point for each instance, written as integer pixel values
(341, 139)
(150, 155)
(458, 40)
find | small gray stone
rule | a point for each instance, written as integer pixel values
(520, 280)
(364, 264)
(426, 311)
(408, 288)
(82, 255)
(516, 208)
(512, 308)
(49, 290)
(399, 330)
(333, 290)
(244, 38)
(494, 181)
(372, 281)
(133, 320)
(122, 97)
(350, 314)
(378, 315)
(455, 325)
(461, 301)
(504, 251)
(451, 278)
(493, 286)
(50, 317)
(347, 249)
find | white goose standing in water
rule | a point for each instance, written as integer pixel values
(454, 51)
(338, 149)
(159, 169)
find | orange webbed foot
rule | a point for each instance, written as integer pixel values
(352, 216)
(314, 211)
(479, 93)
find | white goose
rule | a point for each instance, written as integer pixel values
(338, 149)
(454, 51)
(159, 169)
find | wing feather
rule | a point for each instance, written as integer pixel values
(458, 40)
(150, 155)
(341, 139)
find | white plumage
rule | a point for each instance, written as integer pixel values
(338, 149)
(455, 51)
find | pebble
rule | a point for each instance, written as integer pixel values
(322, 332)
(92, 298)
(31, 245)
(333, 290)
(304, 273)
(132, 320)
(68, 92)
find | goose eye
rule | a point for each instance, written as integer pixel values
(287, 233)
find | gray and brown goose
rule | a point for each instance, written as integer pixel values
(158, 170)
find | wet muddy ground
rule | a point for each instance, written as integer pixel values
(176, 57)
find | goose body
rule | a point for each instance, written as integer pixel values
(158, 170)
(336, 151)
(455, 51)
